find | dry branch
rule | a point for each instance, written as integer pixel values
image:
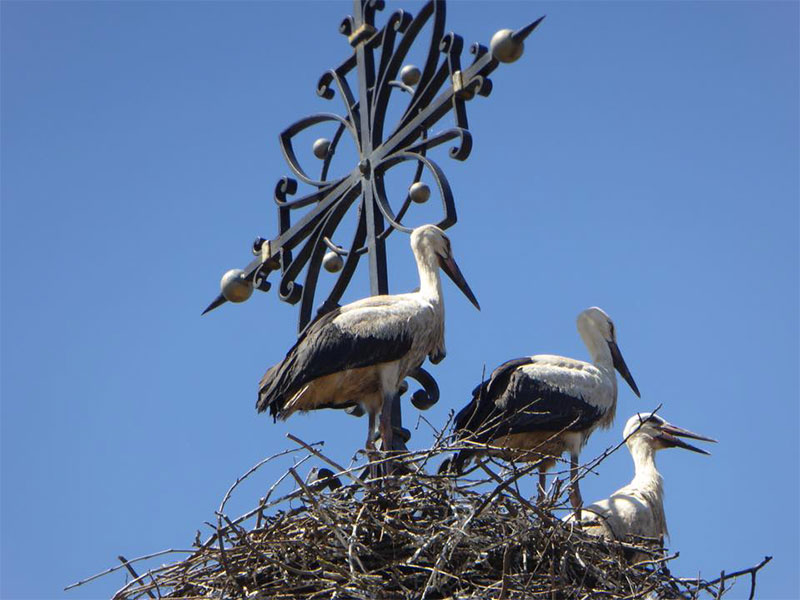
(413, 535)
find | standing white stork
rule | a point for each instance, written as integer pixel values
(536, 408)
(638, 508)
(361, 352)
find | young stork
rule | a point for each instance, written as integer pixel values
(361, 352)
(638, 508)
(536, 408)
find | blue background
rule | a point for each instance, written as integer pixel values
(642, 157)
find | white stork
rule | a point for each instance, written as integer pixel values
(638, 508)
(536, 408)
(361, 352)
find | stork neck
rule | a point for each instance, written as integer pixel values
(430, 284)
(644, 461)
(647, 480)
(601, 354)
(598, 347)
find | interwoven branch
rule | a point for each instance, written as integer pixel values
(412, 535)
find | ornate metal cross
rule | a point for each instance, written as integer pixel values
(441, 86)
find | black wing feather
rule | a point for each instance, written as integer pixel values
(478, 418)
(482, 404)
(513, 402)
(323, 349)
(532, 405)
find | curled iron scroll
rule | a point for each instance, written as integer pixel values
(366, 81)
(422, 399)
(426, 397)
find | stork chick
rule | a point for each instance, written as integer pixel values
(638, 508)
(538, 407)
(360, 353)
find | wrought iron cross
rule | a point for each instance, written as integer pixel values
(441, 86)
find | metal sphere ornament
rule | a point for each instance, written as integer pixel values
(504, 47)
(321, 147)
(419, 192)
(234, 286)
(332, 262)
(410, 75)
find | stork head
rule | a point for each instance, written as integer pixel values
(597, 329)
(430, 243)
(658, 433)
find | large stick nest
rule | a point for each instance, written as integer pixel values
(411, 535)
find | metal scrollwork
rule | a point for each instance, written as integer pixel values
(307, 224)
(376, 70)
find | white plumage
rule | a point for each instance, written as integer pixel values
(361, 352)
(637, 509)
(538, 407)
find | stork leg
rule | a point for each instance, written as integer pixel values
(386, 431)
(370, 446)
(574, 491)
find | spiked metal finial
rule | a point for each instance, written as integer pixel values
(504, 47)
(218, 301)
(507, 45)
(234, 286)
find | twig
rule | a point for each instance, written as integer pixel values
(118, 567)
(339, 535)
(335, 465)
(249, 472)
(702, 585)
(127, 565)
(224, 559)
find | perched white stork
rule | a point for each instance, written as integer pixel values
(361, 352)
(536, 408)
(638, 508)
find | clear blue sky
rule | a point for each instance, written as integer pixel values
(642, 157)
